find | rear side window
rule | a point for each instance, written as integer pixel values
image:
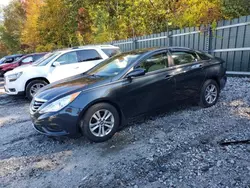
(67, 58)
(111, 52)
(88, 55)
(181, 58)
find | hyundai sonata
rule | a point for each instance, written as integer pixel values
(98, 102)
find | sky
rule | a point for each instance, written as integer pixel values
(4, 2)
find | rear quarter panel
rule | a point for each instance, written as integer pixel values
(215, 69)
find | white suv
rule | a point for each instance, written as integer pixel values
(55, 66)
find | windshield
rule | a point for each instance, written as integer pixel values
(2, 60)
(114, 65)
(46, 59)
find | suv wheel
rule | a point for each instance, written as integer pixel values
(209, 94)
(100, 122)
(33, 87)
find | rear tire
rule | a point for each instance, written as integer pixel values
(209, 94)
(100, 122)
(33, 87)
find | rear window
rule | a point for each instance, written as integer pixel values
(88, 55)
(111, 51)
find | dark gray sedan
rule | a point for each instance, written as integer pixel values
(98, 102)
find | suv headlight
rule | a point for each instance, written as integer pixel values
(14, 77)
(60, 103)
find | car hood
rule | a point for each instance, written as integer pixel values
(7, 65)
(21, 69)
(70, 85)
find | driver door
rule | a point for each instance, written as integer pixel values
(150, 91)
(65, 66)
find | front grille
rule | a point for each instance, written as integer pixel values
(36, 104)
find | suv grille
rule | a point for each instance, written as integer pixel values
(36, 104)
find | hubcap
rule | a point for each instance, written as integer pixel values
(34, 88)
(211, 93)
(101, 123)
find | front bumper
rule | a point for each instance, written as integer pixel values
(63, 123)
(13, 88)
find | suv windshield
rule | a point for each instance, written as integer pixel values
(2, 60)
(114, 65)
(46, 59)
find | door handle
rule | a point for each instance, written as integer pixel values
(76, 68)
(168, 77)
(197, 66)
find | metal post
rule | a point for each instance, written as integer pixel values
(135, 43)
(209, 39)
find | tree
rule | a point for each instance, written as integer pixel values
(30, 32)
(14, 18)
(235, 8)
(196, 12)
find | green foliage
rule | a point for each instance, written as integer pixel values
(10, 31)
(235, 8)
(44, 25)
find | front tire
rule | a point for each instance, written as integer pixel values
(209, 94)
(100, 122)
(33, 87)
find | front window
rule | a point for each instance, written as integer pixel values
(155, 62)
(68, 58)
(114, 65)
(27, 60)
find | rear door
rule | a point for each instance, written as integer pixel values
(87, 59)
(189, 73)
(150, 91)
(68, 66)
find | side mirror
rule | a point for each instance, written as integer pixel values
(136, 72)
(56, 63)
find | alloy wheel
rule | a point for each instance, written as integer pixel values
(101, 123)
(211, 93)
(34, 88)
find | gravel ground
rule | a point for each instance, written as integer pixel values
(186, 146)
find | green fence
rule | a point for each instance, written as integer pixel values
(230, 40)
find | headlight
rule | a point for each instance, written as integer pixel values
(14, 77)
(60, 103)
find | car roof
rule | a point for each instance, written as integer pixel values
(87, 47)
(40, 53)
(149, 50)
(14, 55)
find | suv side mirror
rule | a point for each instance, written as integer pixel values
(56, 63)
(136, 72)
